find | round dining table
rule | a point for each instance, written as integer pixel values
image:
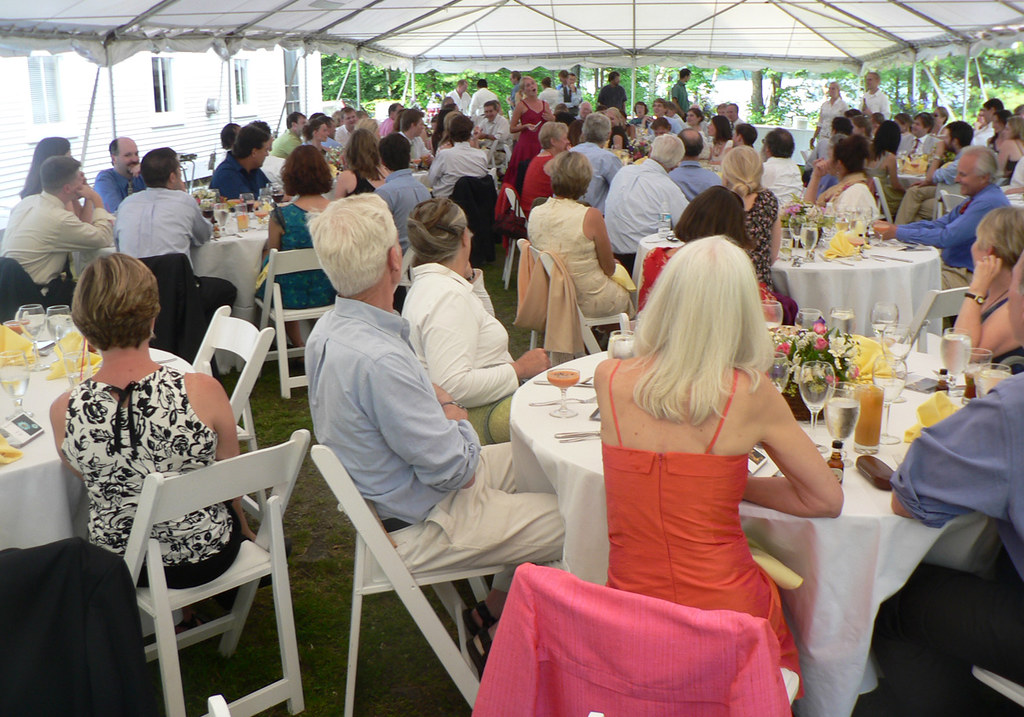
(850, 564)
(238, 258)
(41, 500)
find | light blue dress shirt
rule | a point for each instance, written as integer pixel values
(160, 221)
(694, 179)
(374, 406)
(402, 192)
(113, 188)
(634, 201)
(605, 165)
(947, 173)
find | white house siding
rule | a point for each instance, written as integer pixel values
(196, 77)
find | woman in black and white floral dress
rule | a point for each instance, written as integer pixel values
(136, 417)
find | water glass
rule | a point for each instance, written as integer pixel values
(883, 315)
(956, 350)
(978, 358)
(780, 370)
(772, 314)
(14, 376)
(890, 375)
(842, 318)
(620, 345)
(990, 375)
(897, 340)
(809, 238)
(805, 318)
(59, 322)
(32, 318)
(78, 366)
(817, 381)
(842, 412)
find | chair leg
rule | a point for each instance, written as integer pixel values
(239, 614)
(353, 646)
(166, 640)
(480, 588)
(286, 636)
(282, 359)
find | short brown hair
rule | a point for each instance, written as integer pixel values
(306, 172)
(115, 302)
(852, 153)
(460, 129)
(715, 211)
(570, 174)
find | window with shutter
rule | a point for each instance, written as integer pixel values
(162, 96)
(241, 82)
(44, 89)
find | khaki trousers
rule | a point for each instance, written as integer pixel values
(488, 523)
(955, 276)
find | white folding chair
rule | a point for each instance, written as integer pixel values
(279, 264)
(169, 497)
(249, 344)
(586, 322)
(217, 706)
(938, 305)
(882, 202)
(513, 200)
(378, 568)
(950, 201)
(1010, 690)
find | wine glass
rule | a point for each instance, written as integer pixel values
(14, 375)
(842, 412)
(277, 192)
(890, 375)
(780, 370)
(59, 322)
(248, 200)
(563, 378)
(842, 318)
(809, 237)
(772, 314)
(990, 375)
(897, 340)
(883, 314)
(220, 214)
(805, 318)
(956, 350)
(32, 318)
(817, 382)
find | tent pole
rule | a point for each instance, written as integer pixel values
(981, 81)
(113, 113)
(226, 67)
(913, 82)
(632, 84)
(938, 92)
(967, 76)
(305, 79)
(412, 77)
(359, 83)
(88, 121)
(343, 82)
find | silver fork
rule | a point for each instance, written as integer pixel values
(592, 399)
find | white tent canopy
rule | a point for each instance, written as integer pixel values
(486, 35)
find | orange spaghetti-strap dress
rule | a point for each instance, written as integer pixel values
(674, 531)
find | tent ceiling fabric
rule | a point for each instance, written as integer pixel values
(486, 35)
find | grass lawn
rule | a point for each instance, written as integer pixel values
(398, 672)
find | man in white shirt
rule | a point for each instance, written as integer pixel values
(637, 195)
(597, 128)
(492, 126)
(874, 100)
(481, 97)
(348, 126)
(781, 174)
(461, 97)
(988, 110)
(548, 93)
(43, 231)
(462, 160)
(411, 124)
(164, 219)
(921, 140)
(833, 106)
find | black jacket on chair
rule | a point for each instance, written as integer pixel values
(182, 323)
(477, 197)
(16, 288)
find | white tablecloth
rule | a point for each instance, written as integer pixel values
(823, 285)
(40, 499)
(850, 564)
(236, 258)
(643, 248)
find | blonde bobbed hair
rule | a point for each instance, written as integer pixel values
(703, 320)
(115, 302)
(742, 170)
(1002, 231)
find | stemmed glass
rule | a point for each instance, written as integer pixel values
(956, 350)
(805, 318)
(883, 315)
(564, 379)
(817, 381)
(896, 342)
(220, 214)
(14, 375)
(809, 238)
(842, 412)
(890, 375)
(59, 322)
(772, 314)
(780, 370)
(32, 318)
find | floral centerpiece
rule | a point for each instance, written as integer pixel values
(640, 146)
(201, 193)
(335, 157)
(796, 212)
(820, 343)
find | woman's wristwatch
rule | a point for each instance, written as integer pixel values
(977, 298)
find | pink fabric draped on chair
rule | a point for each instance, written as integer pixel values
(569, 647)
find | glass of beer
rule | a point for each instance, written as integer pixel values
(564, 379)
(869, 426)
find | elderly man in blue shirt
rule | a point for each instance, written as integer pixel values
(410, 448)
(942, 622)
(954, 233)
(597, 128)
(919, 200)
(689, 175)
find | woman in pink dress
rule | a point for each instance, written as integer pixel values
(527, 118)
(677, 423)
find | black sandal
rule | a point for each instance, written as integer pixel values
(485, 617)
(479, 647)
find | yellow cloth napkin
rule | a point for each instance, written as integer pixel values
(7, 453)
(869, 351)
(937, 407)
(783, 576)
(915, 165)
(11, 341)
(841, 246)
(622, 278)
(69, 344)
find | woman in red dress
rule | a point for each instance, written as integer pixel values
(527, 118)
(677, 423)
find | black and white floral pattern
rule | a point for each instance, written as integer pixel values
(157, 431)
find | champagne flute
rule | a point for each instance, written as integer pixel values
(956, 350)
(780, 370)
(564, 379)
(817, 382)
(14, 375)
(32, 318)
(772, 314)
(805, 318)
(842, 318)
(883, 314)
(842, 412)
(890, 375)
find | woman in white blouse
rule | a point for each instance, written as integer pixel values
(452, 326)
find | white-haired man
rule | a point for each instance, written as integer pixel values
(407, 445)
(637, 195)
(954, 233)
(597, 128)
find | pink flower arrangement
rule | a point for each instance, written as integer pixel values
(821, 343)
(819, 327)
